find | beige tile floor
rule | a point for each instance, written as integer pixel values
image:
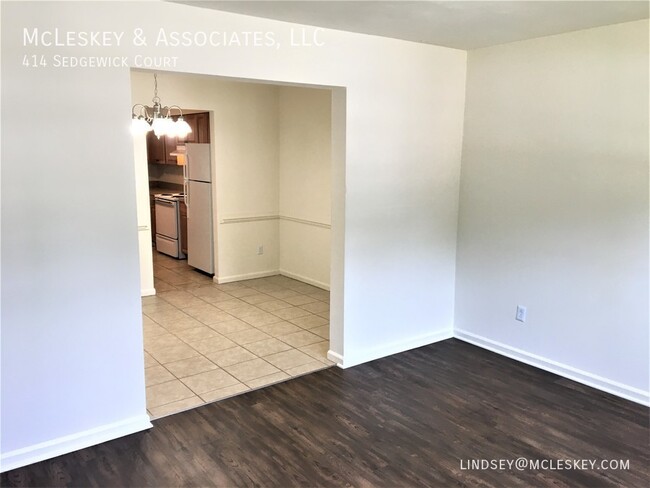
(205, 342)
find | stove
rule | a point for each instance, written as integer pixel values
(170, 196)
(168, 227)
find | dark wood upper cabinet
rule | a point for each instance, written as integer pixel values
(192, 136)
(203, 127)
(170, 146)
(158, 150)
(155, 149)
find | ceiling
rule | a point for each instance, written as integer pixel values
(454, 23)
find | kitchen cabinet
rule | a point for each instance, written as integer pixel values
(203, 127)
(158, 150)
(170, 146)
(183, 217)
(192, 122)
(155, 149)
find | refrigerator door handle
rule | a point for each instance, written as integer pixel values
(187, 197)
(185, 185)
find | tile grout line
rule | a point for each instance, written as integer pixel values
(245, 304)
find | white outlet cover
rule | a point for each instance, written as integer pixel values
(521, 313)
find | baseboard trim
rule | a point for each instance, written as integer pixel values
(147, 292)
(304, 279)
(63, 445)
(335, 357)
(600, 383)
(247, 276)
(348, 360)
(263, 274)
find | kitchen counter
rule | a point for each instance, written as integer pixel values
(156, 187)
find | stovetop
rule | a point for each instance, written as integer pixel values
(169, 195)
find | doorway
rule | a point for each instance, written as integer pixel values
(265, 315)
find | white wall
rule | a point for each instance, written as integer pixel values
(72, 355)
(72, 339)
(305, 140)
(554, 204)
(143, 208)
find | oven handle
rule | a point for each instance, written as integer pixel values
(164, 202)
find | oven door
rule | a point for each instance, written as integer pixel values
(167, 218)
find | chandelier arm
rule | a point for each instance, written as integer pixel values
(159, 116)
(177, 108)
(142, 107)
(165, 111)
(147, 115)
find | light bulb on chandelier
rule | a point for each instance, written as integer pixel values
(158, 118)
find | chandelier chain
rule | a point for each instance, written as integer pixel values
(155, 98)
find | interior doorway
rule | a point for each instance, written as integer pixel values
(264, 316)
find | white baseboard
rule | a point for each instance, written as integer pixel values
(335, 357)
(349, 360)
(304, 279)
(63, 445)
(147, 292)
(263, 274)
(615, 388)
(247, 276)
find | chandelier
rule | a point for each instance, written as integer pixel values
(158, 118)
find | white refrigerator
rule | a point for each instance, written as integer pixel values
(198, 198)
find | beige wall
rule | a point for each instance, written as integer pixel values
(305, 140)
(554, 204)
(245, 145)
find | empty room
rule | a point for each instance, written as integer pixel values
(325, 243)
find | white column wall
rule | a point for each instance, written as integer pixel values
(71, 331)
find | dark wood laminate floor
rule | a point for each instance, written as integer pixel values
(407, 420)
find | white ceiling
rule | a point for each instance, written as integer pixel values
(454, 23)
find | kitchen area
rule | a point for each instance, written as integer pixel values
(180, 193)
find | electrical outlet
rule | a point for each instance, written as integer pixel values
(521, 313)
(260, 250)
